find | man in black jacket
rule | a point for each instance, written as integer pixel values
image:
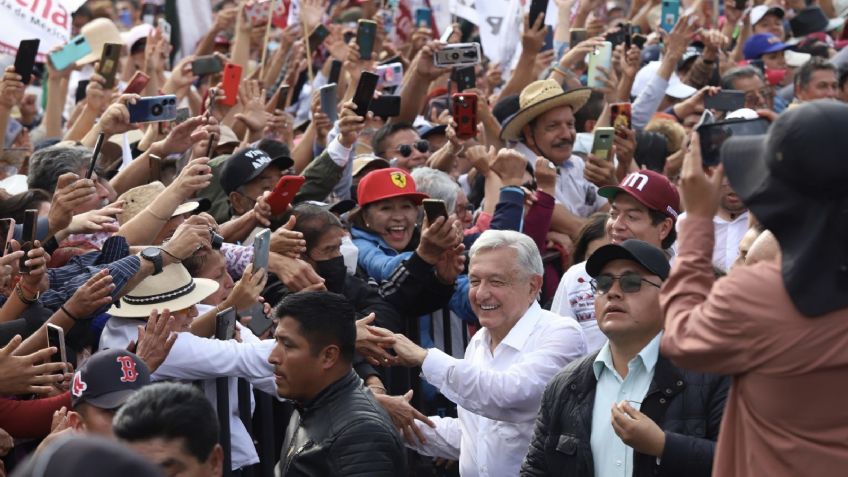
(626, 410)
(338, 428)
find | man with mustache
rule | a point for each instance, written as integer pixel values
(544, 126)
(626, 410)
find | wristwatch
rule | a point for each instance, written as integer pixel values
(153, 255)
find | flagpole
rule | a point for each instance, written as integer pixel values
(273, 8)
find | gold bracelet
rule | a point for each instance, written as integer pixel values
(20, 292)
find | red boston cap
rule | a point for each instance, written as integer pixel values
(651, 189)
(386, 184)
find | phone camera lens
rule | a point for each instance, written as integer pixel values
(454, 56)
(156, 110)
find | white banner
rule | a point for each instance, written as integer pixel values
(49, 21)
(499, 22)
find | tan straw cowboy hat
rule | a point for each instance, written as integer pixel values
(173, 289)
(540, 97)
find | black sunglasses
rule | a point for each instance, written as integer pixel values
(405, 150)
(629, 283)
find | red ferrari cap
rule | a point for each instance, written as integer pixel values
(386, 184)
(651, 189)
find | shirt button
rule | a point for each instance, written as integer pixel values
(618, 462)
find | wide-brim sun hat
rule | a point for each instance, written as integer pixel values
(174, 289)
(97, 33)
(138, 198)
(538, 98)
(792, 179)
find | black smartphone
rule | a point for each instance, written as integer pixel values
(80, 93)
(25, 58)
(365, 36)
(639, 40)
(537, 7)
(207, 65)
(28, 236)
(298, 87)
(109, 62)
(7, 228)
(95, 155)
(318, 35)
(727, 100)
(212, 141)
(225, 324)
(435, 208)
(385, 106)
(365, 91)
(335, 72)
(465, 78)
(148, 13)
(56, 337)
(283, 97)
(713, 136)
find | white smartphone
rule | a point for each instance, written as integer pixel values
(602, 56)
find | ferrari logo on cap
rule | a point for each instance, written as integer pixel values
(399, 179)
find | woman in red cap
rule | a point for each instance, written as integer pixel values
(384, 227)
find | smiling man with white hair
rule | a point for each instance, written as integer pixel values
(498, 385)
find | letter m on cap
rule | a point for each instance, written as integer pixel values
(635, 180)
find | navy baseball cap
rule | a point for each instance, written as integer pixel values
(108, 379)
(634, 250)
(246, 164)
(762, 43)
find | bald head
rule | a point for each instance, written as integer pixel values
(764, 249)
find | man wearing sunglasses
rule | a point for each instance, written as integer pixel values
(626, 410)
(400, 144)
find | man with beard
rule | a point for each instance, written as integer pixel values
(545, 127)
(731, 224)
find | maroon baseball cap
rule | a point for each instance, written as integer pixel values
(651, 189)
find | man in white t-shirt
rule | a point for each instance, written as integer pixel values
(643, 206)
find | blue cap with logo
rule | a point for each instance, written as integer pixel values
(762, 43)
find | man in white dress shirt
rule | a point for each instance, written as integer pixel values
(498, 385)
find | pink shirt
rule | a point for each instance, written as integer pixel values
(786, 412)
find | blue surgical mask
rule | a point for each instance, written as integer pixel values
(125, 17)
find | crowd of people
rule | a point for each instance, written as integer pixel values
(543, 265)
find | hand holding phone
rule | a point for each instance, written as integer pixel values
(225, 324)
(434, 208)
(365, 92)
(602, 143)
(56, 338)
(27, 238)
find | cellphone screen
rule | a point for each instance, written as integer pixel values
(713, 136)
(365, 92)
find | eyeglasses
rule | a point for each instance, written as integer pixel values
(629, 283)
(405, 150)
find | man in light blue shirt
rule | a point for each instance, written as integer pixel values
(626, 411)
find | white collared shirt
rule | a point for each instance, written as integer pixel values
(194, 358)
(612, 458)
(498, 394)
(728, 235)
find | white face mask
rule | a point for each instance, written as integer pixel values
(350, 254)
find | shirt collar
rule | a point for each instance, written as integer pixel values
(739, 218)
(648, 356)
(521, 330)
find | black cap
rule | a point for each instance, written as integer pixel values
(246, 164)
(793, 180)
(637, 251)
(88, 455)
(108, 379)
